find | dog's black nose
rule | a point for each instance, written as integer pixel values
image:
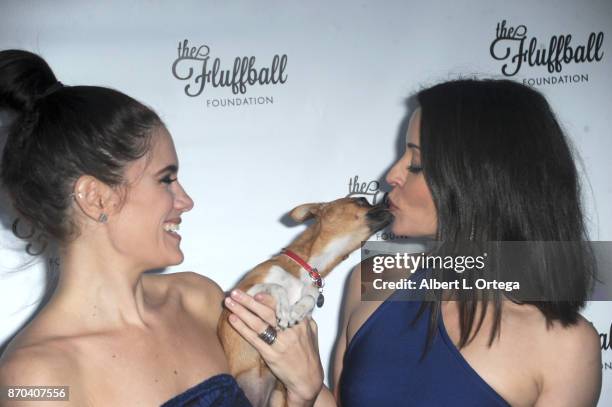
(378, 218)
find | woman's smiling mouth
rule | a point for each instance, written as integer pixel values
(172, 227)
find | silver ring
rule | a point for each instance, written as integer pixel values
(269, 335)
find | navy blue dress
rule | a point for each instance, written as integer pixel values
(382, 366)
(217, 391)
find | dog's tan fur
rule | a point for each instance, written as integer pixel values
(339, 226)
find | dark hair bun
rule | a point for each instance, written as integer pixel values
(23, 77)
(60, 134)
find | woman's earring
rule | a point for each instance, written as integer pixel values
(103, 218)
(472, 232)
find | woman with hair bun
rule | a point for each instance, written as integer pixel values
(96, 171)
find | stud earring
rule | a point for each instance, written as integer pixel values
(103, 218)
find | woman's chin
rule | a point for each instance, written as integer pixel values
(174, 259)
(178, 258)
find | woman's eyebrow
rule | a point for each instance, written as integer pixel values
(172, 168)
(412, 145)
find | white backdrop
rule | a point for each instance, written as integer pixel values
(349, 67)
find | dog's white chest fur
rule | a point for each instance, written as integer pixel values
(296, 297)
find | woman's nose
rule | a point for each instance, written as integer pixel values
(395, 177)
(183, 201)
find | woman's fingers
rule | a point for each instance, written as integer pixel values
(251, 320)
(268, 314)
(251, 336)
(266, 299)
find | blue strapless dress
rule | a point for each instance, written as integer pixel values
(217, 391)
(382, 366)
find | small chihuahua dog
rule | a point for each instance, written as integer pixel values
(294, 279)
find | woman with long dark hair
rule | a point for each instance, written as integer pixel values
(96, 171)
(485, 160)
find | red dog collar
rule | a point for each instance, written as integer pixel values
(312, 272)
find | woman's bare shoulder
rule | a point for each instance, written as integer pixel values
(572, 366)
(44, 363)
(199, 294)
(566, 358)
(576, 341)
(579, 338)
(580, 334)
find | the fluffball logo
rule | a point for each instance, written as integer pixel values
(369, 189)
(201, 72)
(515, 49)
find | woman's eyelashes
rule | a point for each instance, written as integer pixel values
(167, 179)
(415, 169)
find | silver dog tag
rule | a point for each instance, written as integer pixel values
(320, 300)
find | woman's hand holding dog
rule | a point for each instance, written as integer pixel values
(293, 357)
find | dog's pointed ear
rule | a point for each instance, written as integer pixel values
(305, 211)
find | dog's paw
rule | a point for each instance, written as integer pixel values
(301, 309)
(294, 322)
(283, 323)
(282, 317)
(295, 317)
